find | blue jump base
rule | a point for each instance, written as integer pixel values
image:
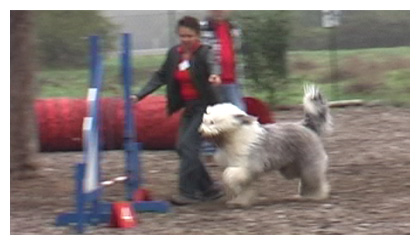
(99, 212)
(90, 209)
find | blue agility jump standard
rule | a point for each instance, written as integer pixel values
(90, 208)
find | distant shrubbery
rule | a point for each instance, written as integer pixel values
(265, 41)
(269, 35)
(62, 36)
(358, 29)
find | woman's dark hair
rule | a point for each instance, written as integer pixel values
(190, 22)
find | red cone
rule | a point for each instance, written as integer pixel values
(123, 215)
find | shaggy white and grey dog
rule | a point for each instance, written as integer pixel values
(249, 149)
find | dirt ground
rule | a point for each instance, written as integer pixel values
(369, 174)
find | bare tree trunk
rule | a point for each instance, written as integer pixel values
(23, 141)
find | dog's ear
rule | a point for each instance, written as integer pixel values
(208, 109)
(245, 119)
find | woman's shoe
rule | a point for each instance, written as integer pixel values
(181, 200)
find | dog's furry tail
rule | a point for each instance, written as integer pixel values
(317, 113)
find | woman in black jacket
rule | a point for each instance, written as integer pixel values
(189, 76)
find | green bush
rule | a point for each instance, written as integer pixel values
(62, 36)
(265, 35)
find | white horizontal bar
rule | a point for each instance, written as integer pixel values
(121, 178)
(87, 123)
(92, 94)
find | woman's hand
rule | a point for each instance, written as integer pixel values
(215, 79)
(134, 99)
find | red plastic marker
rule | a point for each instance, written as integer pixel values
(123, 215)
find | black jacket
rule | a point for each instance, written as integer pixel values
(201, 67)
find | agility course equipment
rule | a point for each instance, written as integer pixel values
(60, 120)
(90, 208)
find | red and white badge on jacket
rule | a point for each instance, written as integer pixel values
(184, 65)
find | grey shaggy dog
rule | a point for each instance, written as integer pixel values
(249, 149)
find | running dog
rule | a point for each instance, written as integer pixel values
(249, 149)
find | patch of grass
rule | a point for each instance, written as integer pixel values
(398, 87)
(369, 74)
(62, 83)
(300, 63)
(74, 82)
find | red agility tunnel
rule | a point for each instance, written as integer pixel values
(60, 122)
